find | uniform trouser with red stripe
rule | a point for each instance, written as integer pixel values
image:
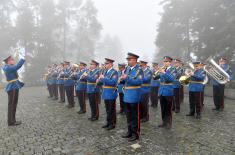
(195, 102)
(181, 95)
(70, 94)
(202, 99)
(62, 92)
(154, 96)
(218, 96)
(110, 106)
(93, 105)
(166, 109)
(81, 94)
(12, 105)
(49, 88)
(176, 101)
(122, 104)
(133, 118)
(55, 91)
(144, 106)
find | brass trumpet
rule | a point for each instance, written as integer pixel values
(156, 73)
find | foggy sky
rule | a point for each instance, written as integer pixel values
(133, 21)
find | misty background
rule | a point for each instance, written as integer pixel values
(52, 31)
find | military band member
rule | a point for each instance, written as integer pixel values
(49, 81)
(60, 83)
(92, 90)
(145, 92)
(81, 87)
(99, 85)
(109, 80)
(181, 86)
(195, 89)
(177, 85)
(202, 93)
(54, 74)
(69, 84)
(154, 87)
(12, 88)
(218, 89)
(132, 91)
(121, 71)
(166, 91)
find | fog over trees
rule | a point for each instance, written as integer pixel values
(52, 31)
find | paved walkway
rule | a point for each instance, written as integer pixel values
(50, 128)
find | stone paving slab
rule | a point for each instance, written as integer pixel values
(50, 128)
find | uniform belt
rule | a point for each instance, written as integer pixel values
(131, 87)
(165, 84)
(196, 82)
(66, 78)
(82, 82)
(91, 83)
(109, 87)
(145, 85)
(14, 80)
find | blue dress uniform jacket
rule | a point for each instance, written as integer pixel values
(178, 74)
(121, 83)
(167, 79)
(54, 75)
(110, 85)
(196, 80)
(155, 83)
(145, 88)
(50, 79)
(60, 78)
(227, 69)
(68, 81)
(91, 81)
(81, 83)
(133, 82)
(12, 76)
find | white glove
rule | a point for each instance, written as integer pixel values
(22, 53)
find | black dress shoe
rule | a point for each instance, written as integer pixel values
(217, 109)
(161, 125)
(190, 114)
(177, 111)
(70, 106)
(18, 122)
(198, 116)
(111, 127)
(15, 124)
(168, 126)
(94, 119)
(105, 126)
(144, 120)
(81, 112)
(127, 135)
(133, 138)
(221, 109)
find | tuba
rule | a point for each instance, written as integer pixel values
(216, 72)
